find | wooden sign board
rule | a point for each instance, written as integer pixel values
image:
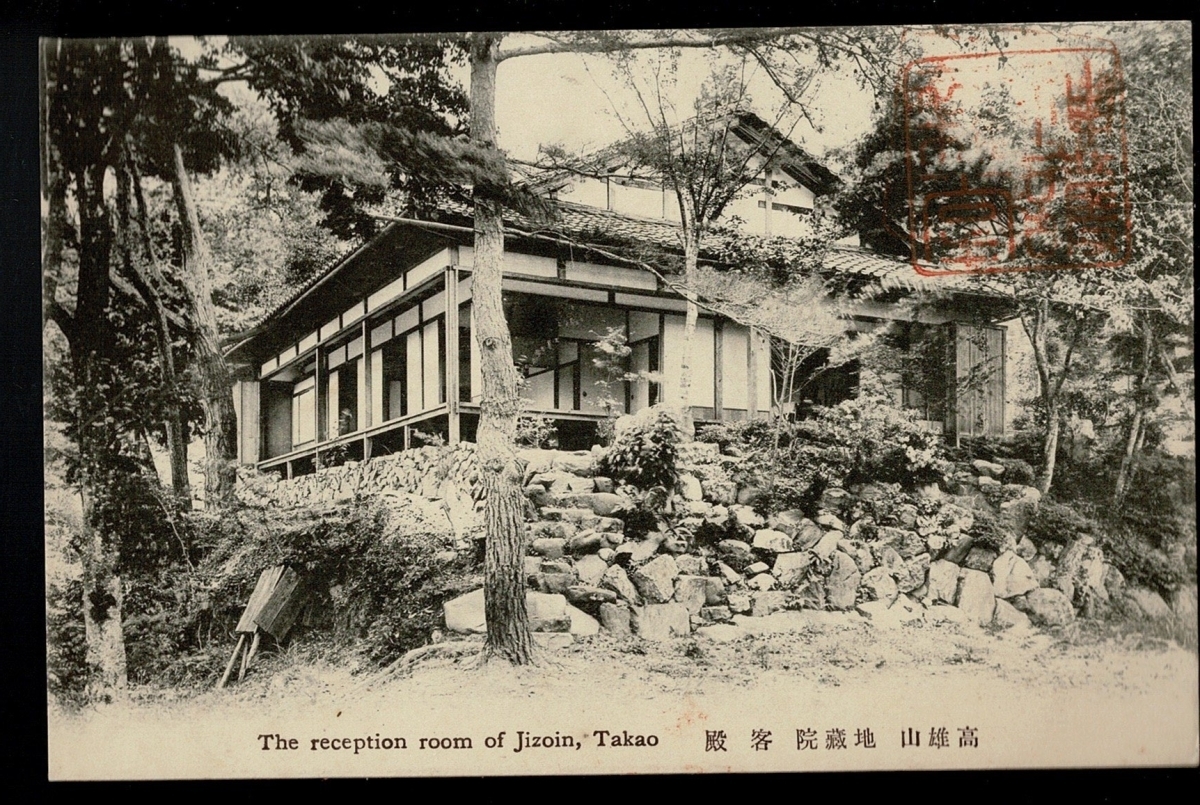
(274, 604)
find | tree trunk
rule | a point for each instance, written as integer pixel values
(1049, 448)
(1137, 427)
(214, 382)
(147, 288)
(102, 613)
(691, 263)
(508, 634)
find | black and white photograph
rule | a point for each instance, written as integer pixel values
(766, 399)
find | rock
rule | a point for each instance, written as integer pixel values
(827, 545)
(721, 492)
(749, 495)
(1043, 570)
(722, 633)
(766, 539)
(607, 504)
(975, 597)
(1012, 576)
(582, 624)
(905, 542)
(717, 614)
(740, 602)
(941, 613)
(557, 566)
(807, 535)
(988, 468)
(714, 591)
(609, 525)
(603, 484)
(1114, 582)
(465, 613)
(661, 621)
(833, 499)
(547, 613)
(574, 484)
(729, 575)
(1009, 617)
(582, 594)
(1183, 604)
(880, 586)
(827, 520)
(636, 553)
(607, 555)
(841, 586)
(766, 602)
(980, 558)
(655, 580)
(556, 583)
(863, 558)
(616, 580)
(692, 592)
(986, 480)
(735, 553)
(590, 569)
(756, 568)
(747, 516)
(690, 565)
(959, 548)
(907, 610)
(763, 582)
(943, 581)
(1047, 607)
(810, 593)
(889, 559)
(586, 542)
(532, 565)
(615, 618)
(1149, 603)
(912, 574)
(788, 521)
(689, 487)
(790, 568)
(1026, 549)
(549, 547)
(538, 494)
(581, 464)
(906, 515)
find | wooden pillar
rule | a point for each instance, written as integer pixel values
(364, 378)
(317, 406)
(718, 373)
(752, 376)
(451, 347)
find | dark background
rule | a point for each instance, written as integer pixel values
(22, 628)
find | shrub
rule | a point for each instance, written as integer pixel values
(536, 431)
(987, 532)
(66, 657)
(1057, 522)
(1017, 471)
(645, 454)
(1141, 564)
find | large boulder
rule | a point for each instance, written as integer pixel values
(943, 581)
(790, 568)
(766, 539)
(615, 579)
(807, 535)
(692, 592)
(959, 548)
(689, 487)
(655, 580)
(905, 542)
(590, 569)
(615, 618)
(1012, 576)
(1046, 607)
(766, 602)
(787, 521)
(547, 613)
(827, 545)
(582, 624)
(841, 586)
(1148, 603)
(976, 598)
(747, 516)
(981, 558)
(1009, 617)
(661, 621)
(583, 595)
(912, 573)
(880, 586)
(465, 613)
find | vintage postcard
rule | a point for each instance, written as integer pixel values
(550, 403)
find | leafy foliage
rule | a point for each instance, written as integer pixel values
(66, 659)
(644, 455)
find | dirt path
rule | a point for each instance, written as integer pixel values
(1033, 699)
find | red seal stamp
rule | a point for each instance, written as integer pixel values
(1016, 160)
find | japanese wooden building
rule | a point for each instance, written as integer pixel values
(378, 351)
